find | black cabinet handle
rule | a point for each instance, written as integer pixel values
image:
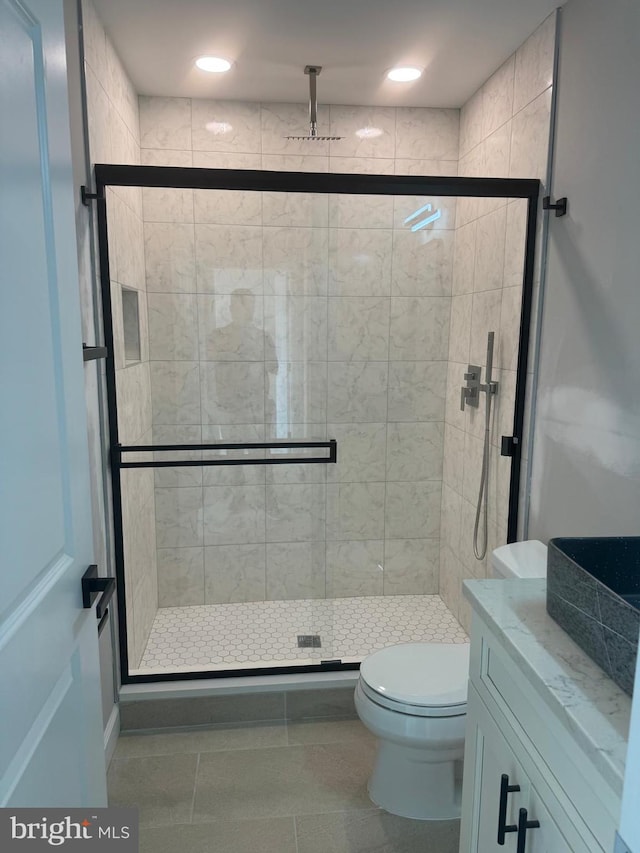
(92, 586)
(505, 790)
(523, 826)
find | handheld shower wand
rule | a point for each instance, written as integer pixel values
(490, 388)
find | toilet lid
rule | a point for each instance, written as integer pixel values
(422, 674)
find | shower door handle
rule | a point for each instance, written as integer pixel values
(94, 586)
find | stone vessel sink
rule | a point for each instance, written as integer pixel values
(593, 592)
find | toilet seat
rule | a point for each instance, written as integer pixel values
(418, 679)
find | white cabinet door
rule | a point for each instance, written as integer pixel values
(51, 743)
(487, 758)
(548, 837)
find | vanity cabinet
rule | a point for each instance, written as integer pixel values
(523, 766)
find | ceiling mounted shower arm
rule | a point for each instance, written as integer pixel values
(313, 71)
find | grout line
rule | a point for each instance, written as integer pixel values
(295, 833)
(195, 786)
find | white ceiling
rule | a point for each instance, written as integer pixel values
(458, 42)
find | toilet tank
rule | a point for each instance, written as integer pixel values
(520, 560)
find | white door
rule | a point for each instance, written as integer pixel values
(51, 750)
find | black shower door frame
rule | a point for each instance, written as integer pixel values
(172, 177)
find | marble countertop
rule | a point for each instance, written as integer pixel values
(584, 699)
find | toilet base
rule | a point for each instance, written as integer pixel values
(405, 783)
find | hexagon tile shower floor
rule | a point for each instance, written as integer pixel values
(265, 633)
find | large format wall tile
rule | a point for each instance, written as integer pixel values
(358, 328)
(180, 576)
(166, 204)
(411, 566)
(419, 329)
(355, 510)
(296, 513)
(357, 392)
(134, 402)
(295, 570)
(165, 122)
(414, 451)
(515, 242)
(179, 517)
(497, 98)
(296, 327)
(173, 330)
(294, 163)
(178, 476)
(360, 211)
(296, 392)
(232, 392)
(530, 139)
(485, 318)
(228, 257)
(490, 240)
(295, 261)
(230, 327)
(227, 207)
(359, 262)
(361, 452)
(534, 64)
(361, 165)
(234, 573)
(412, 510)
(417, 390)
(233, 475)
(422, 263)
(355, 568)
(234, 514)
(366, 131)
(297, 473)
(170, 257)
(427, 133)
(304, 210)
(225, 126)
(175, 392)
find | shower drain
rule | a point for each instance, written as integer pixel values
(309, 641)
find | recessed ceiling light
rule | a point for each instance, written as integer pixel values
(214, 64)
(369, 132)
(404, 74)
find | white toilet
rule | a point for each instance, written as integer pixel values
(413, 698)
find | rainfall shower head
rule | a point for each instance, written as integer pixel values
(313, 71)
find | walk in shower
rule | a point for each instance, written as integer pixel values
(283, 351)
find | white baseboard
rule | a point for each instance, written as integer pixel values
(111, 733)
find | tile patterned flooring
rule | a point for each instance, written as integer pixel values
(292, 787)
(264, 633)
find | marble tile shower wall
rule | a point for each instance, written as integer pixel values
(288, 316)
(504, 132)
(114, 137)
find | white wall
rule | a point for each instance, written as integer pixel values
(586, 457)
(586, 462)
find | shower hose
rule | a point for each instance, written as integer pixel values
(480, 552)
